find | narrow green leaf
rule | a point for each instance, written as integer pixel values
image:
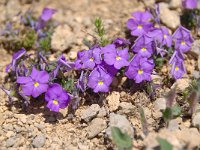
(164, 144)
(122, 140)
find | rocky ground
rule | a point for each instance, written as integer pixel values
(88, 128)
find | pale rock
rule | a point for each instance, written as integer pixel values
(97, 125)
(62, 38)
(13, 7)
(169, 17)
(90, 112)
(102, 112)
(173, 125)
(121, 122)
(195, 49)
(10, 133)
(126, 107)
(72, 55)
(39, 141)
(1, 119)
(113, 101)
(160, 104)
(174, 4)
(181, 84)
(196, 120)
(10, 142)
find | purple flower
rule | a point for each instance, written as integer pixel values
(91, 58)
(183, 39)
(78, 61)
(161, 51)
(47, 14)
(35, 84)
(62, 62)
(118, 58)
(143, 46)
(190, 4)
(109, 68)
(176, 57)
(162, 36)
(56, 97)
(99, 80)
(121, 42)
(15, 58)
(139, 25)
(178, 69)
(82, 82)
(139, 69)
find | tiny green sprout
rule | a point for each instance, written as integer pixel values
(164, 144)
(29, 38)
(45, 43)
(100, 31)
(68, 84)
(122, 140)
(143, 121)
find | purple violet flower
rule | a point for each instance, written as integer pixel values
(91, 58)
(56, 97)
(99, 80)
(189, 4)
(183, 39)
(178, 69)
(121, 42)
(118, 58)
(140, 69)
(15, 58)
(139, 25)
(162, 36)
(176, 57)
(62, 62)
(46, 15)
(143, 46)
(78, 61)
(35, 84)
(82, 81)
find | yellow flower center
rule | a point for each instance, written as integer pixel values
(91, 59)
(140, 71)
(118, 57)
(143, 49)
(182, 42)
(176, 68)
(36, 84)
(139, 26)
(165, 36)
(100, 83)
(55, 102)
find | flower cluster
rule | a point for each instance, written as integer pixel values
(155, 41)
(104, 63)
(35, 80)
(183, 41)
(97, 66)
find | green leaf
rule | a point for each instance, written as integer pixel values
(167, 114)
(164, 144)
(122, 140)
(176, 110)
(45, 43)
(143, 121)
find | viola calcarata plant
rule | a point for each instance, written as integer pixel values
(58, 82)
